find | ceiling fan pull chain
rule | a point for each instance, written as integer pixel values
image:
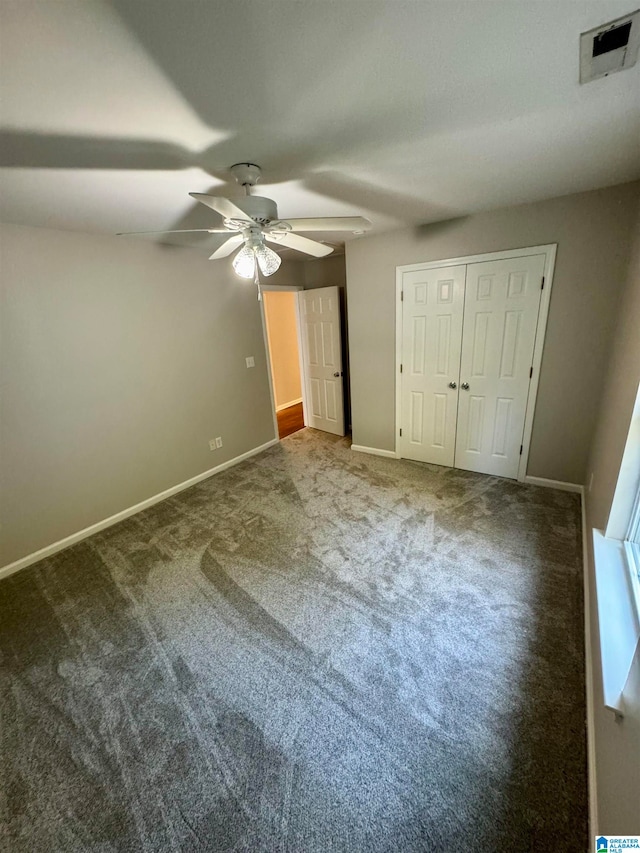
(256, 279)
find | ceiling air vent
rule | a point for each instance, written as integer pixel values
(610, 48)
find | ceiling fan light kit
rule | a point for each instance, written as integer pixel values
(251, 220)
(268, 261)
(244, 262)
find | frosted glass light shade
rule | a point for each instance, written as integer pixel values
(244, 262)
(268, 260)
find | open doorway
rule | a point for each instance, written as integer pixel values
(281, 326)
(304, 342)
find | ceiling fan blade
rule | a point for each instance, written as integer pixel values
(330, 223)
(224, 206)
(302, 244)
(227, 247)
(179, 231)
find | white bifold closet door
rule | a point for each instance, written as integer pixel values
(468, 335)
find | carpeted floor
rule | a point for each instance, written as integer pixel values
(316, 650)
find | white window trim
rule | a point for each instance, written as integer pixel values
(618, 596)
(632, 552)
(633, 533)
(625, 509)
(616, 554)
(632, 549)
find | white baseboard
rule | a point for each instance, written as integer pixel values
(554, 484)
(374, 451)
(5, 571)
(289, 404)
(591, 733)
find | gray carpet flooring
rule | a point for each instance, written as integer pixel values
(316, 650)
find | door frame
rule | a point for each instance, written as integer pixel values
(549, 251)
(280, 288)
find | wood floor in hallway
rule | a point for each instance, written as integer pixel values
(290, 420)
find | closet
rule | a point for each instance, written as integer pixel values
(467, 339)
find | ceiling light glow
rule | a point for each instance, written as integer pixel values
(244, 262)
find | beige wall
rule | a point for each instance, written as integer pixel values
(617, 743)
(120, 359)
(593, 235)
(282, 333)
(325, 272)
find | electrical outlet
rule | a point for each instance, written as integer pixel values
(218, 442)
(212, 444)
(251, 362)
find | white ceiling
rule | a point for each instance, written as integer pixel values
(405, 112)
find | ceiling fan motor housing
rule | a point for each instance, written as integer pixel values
(261, 210)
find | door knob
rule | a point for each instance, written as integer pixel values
(337, 373)
(465, 385)
(452, 385)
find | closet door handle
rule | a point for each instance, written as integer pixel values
(452, 385)
(465, 386)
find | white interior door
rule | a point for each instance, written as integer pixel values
(432, 311)
(319, 313)
(502, 299)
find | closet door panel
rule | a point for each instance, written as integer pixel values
(502, 300)
(432, 308)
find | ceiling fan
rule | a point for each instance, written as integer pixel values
(252, 220)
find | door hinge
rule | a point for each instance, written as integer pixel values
(400, 368)
(402, 296)
(531, 373)
(400, 432)
(520, 450)
(542, 285)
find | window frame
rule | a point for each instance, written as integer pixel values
(616, 554)
(632, 549)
